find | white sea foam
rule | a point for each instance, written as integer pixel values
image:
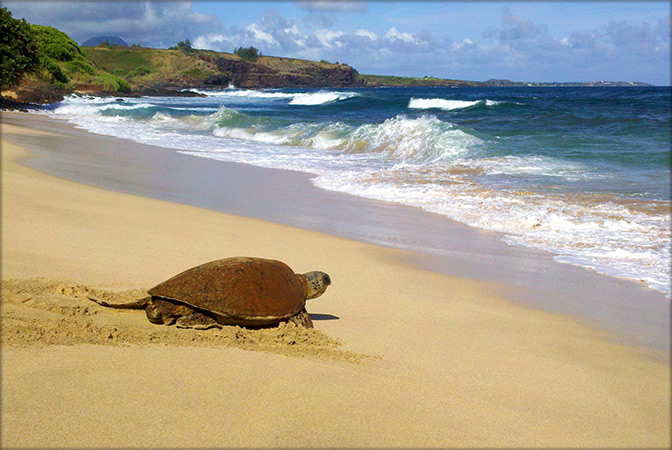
(448, 105)
(250, 134)
(609, 238)
(440, 103)
(160, 117)
(305, 99)
(533, 165)
(424, 139)
(247, 93)
(400, 139)
(320, 98)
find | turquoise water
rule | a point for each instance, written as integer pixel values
(583, 173)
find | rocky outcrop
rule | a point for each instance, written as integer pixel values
(36, 92)
(247, 74)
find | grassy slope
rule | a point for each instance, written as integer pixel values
(147, 66)
(176, 67)
(142, 66)
(64, 64)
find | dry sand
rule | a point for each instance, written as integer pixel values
(400, 357)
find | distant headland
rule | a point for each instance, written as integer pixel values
(105, 40)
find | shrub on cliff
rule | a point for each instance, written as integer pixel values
(18, 51)
(54, 70)
(247, 53)
(66, 64)
(183, 46)
(56, 44)
(139, 71)
(80, 66)
(61, 57)
(113, 83)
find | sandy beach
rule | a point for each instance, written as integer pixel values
(401, 355)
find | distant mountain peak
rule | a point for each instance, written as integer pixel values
(111, 40)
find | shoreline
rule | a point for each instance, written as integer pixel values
(449, 361)
(530, 277)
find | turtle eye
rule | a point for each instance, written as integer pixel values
(326, 280)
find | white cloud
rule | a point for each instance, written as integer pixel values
(212, 41)
(260, 35)
(299, 38)
(146, 23)
(394, 35)
(329, 38)
(518, 27)
(292, 30)
(580, 40)
(367, 34)
(466, 44)
(161, 25)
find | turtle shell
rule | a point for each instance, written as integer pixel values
(245, 289)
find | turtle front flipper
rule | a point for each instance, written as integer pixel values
(302, 319)
(164, 312)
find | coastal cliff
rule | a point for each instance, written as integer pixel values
(148, 68)
(148, 71)
(274, 72)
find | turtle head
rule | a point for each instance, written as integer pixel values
(314, 283)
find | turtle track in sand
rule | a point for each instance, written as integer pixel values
(38, 312)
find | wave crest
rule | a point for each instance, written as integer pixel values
(295, 98)
(447, 105)
(320, 98)
(420, 140)
(425, 139)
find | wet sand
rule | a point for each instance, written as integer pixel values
(401, 355)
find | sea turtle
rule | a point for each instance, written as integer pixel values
(251, 292)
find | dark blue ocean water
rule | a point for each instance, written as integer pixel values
(583, 173)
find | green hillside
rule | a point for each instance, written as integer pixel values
(144, 68)
(65, 65)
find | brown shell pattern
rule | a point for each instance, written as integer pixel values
(242, 288)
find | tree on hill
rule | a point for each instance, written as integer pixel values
(247, 53)
(18, 50)
(183, 46)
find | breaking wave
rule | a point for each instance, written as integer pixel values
(447, 105)
(303, 99)
(423, 139)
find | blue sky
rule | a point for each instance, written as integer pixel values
(521, 41)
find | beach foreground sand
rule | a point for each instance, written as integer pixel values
(399, 357)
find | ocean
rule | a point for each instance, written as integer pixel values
(582, 173)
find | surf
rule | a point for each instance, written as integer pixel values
(562, 174)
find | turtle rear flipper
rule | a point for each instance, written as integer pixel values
(138, 304)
